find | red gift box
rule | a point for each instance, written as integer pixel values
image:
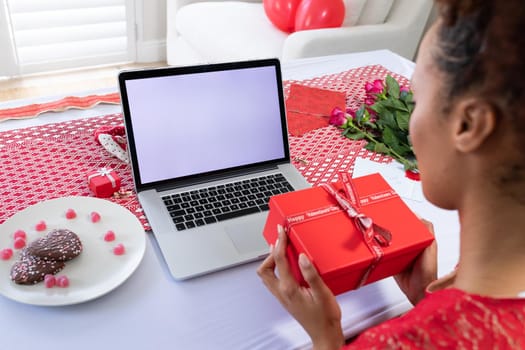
(103, 182)
(355, 231)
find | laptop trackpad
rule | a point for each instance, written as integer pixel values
(247, 237)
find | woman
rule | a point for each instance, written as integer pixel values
(468, 133)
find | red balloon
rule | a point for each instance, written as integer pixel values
(316, 14)
(282, 13)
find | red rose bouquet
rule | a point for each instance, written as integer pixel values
(382, 120)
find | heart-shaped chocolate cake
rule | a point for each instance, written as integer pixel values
(60, 245)
(30, 269)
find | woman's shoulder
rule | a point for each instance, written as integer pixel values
(452, 318)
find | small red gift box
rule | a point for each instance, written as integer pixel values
(103, 182)
(355, 231)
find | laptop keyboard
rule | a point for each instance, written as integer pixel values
(217, 203)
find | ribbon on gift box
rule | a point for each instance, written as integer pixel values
(374, 236)
(104, 172)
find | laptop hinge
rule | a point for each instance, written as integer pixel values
(201, 179)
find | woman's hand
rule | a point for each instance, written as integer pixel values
(414, 281)
(315, 307)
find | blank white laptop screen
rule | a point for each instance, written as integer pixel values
(201, 122)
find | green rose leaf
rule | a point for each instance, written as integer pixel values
(370, 146)
(387, 119)
(403, 149)
(395, 104)
(389, 137)
(378, 107)
(402, 120)
(392, 87)
(380, 147)
(354, 134)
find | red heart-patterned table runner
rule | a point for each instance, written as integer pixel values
(45, 162)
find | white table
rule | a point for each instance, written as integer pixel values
(225, 310)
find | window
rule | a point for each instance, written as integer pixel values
(59, 34)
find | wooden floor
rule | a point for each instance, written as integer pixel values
(69, 82)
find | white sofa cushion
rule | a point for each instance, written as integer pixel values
(229, 30)
(180, 53)
(353, 10)
(375, 12)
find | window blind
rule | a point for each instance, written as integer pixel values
(58, 34)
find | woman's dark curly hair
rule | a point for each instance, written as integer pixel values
(481, 51)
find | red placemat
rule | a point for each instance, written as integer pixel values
(49, 161)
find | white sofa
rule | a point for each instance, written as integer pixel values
(217, 31)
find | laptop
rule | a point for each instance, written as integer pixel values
(208, 146)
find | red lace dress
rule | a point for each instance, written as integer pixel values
(452, 319)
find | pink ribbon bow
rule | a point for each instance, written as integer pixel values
(375, 236)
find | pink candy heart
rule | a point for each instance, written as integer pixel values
(6, 254)
(20, 234)
(119, 249)
(19, 243)
(49, 281)
(109, 236)
(95, 217)
(41, 226)
(62, 281)
(71, 214)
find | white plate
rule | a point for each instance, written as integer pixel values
(97, 270)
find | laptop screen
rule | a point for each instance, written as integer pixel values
(201, 122)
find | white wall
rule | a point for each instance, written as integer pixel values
(151, 30)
